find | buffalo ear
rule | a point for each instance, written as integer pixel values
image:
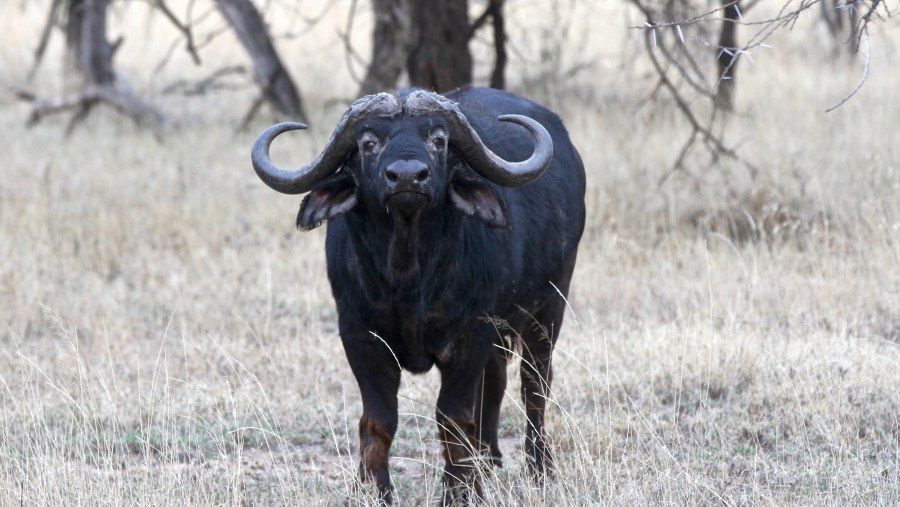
(325, 201)
(478, 199)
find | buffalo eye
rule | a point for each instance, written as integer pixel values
(438, 139)
(368, 143)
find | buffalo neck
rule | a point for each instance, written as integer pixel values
(405, 251)
(403, 267)
(406, 271)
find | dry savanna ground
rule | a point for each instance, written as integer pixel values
(734, 338)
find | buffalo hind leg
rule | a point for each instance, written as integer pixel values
(536, 373)
(487, 408)
(461, 478)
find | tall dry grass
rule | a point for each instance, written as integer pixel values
(170, 339)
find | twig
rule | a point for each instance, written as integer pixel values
(204, 85)
(716, 145)
(185, 29)
(480, 21)
(706, 16)
(864, 21)
(350, 54)
(45, 37)
(251, 112)
(678, 165)
(862, 80)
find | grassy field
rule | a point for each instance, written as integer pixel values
(169, 338)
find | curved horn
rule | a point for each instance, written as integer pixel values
(282, 180)
(480, 157)
(339, 146)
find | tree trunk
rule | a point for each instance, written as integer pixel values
(498, 78)
(494, 11)
(390, 45)
(89, 53)
(270, 74)
(439, 59)
(726, 60)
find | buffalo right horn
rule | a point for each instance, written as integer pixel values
(340, 145)
(476, 153)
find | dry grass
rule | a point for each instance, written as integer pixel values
(170, 339)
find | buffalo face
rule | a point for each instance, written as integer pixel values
(402, 164)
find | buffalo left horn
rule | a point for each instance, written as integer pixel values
(340, 145)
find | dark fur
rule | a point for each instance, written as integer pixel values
(427, 289)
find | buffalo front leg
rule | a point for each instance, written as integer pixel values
(378, 382)
(457, 428)
(487, 406)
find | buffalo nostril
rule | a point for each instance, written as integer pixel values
(407, 172)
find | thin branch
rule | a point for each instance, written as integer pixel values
(715, 144)
(862, 80)
(309, 23)
(480, 20)
(684, 72)
(45, 37)
(185, 29)
(867, 18)
(350, 53)
(251, 112)
(191, 22)
(678, 165)
(651, 24)
(201, 87)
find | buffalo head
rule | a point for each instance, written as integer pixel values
(403, 156)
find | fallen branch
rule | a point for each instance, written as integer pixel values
(207, 84)
(82, 102)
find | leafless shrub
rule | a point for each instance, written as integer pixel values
(698, 70)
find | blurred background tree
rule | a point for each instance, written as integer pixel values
(693, 48)
(89, 63)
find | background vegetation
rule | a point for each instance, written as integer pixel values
(734, 334)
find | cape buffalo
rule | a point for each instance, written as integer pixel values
(453, 226)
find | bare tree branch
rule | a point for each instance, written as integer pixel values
(699, 130)
(185, 29)
(251, 111)
(45, 37)
(679, 73)
(83, 101)
(862, 80)
(350, 54)
(207, 84)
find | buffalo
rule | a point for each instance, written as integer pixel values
(453, 228)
